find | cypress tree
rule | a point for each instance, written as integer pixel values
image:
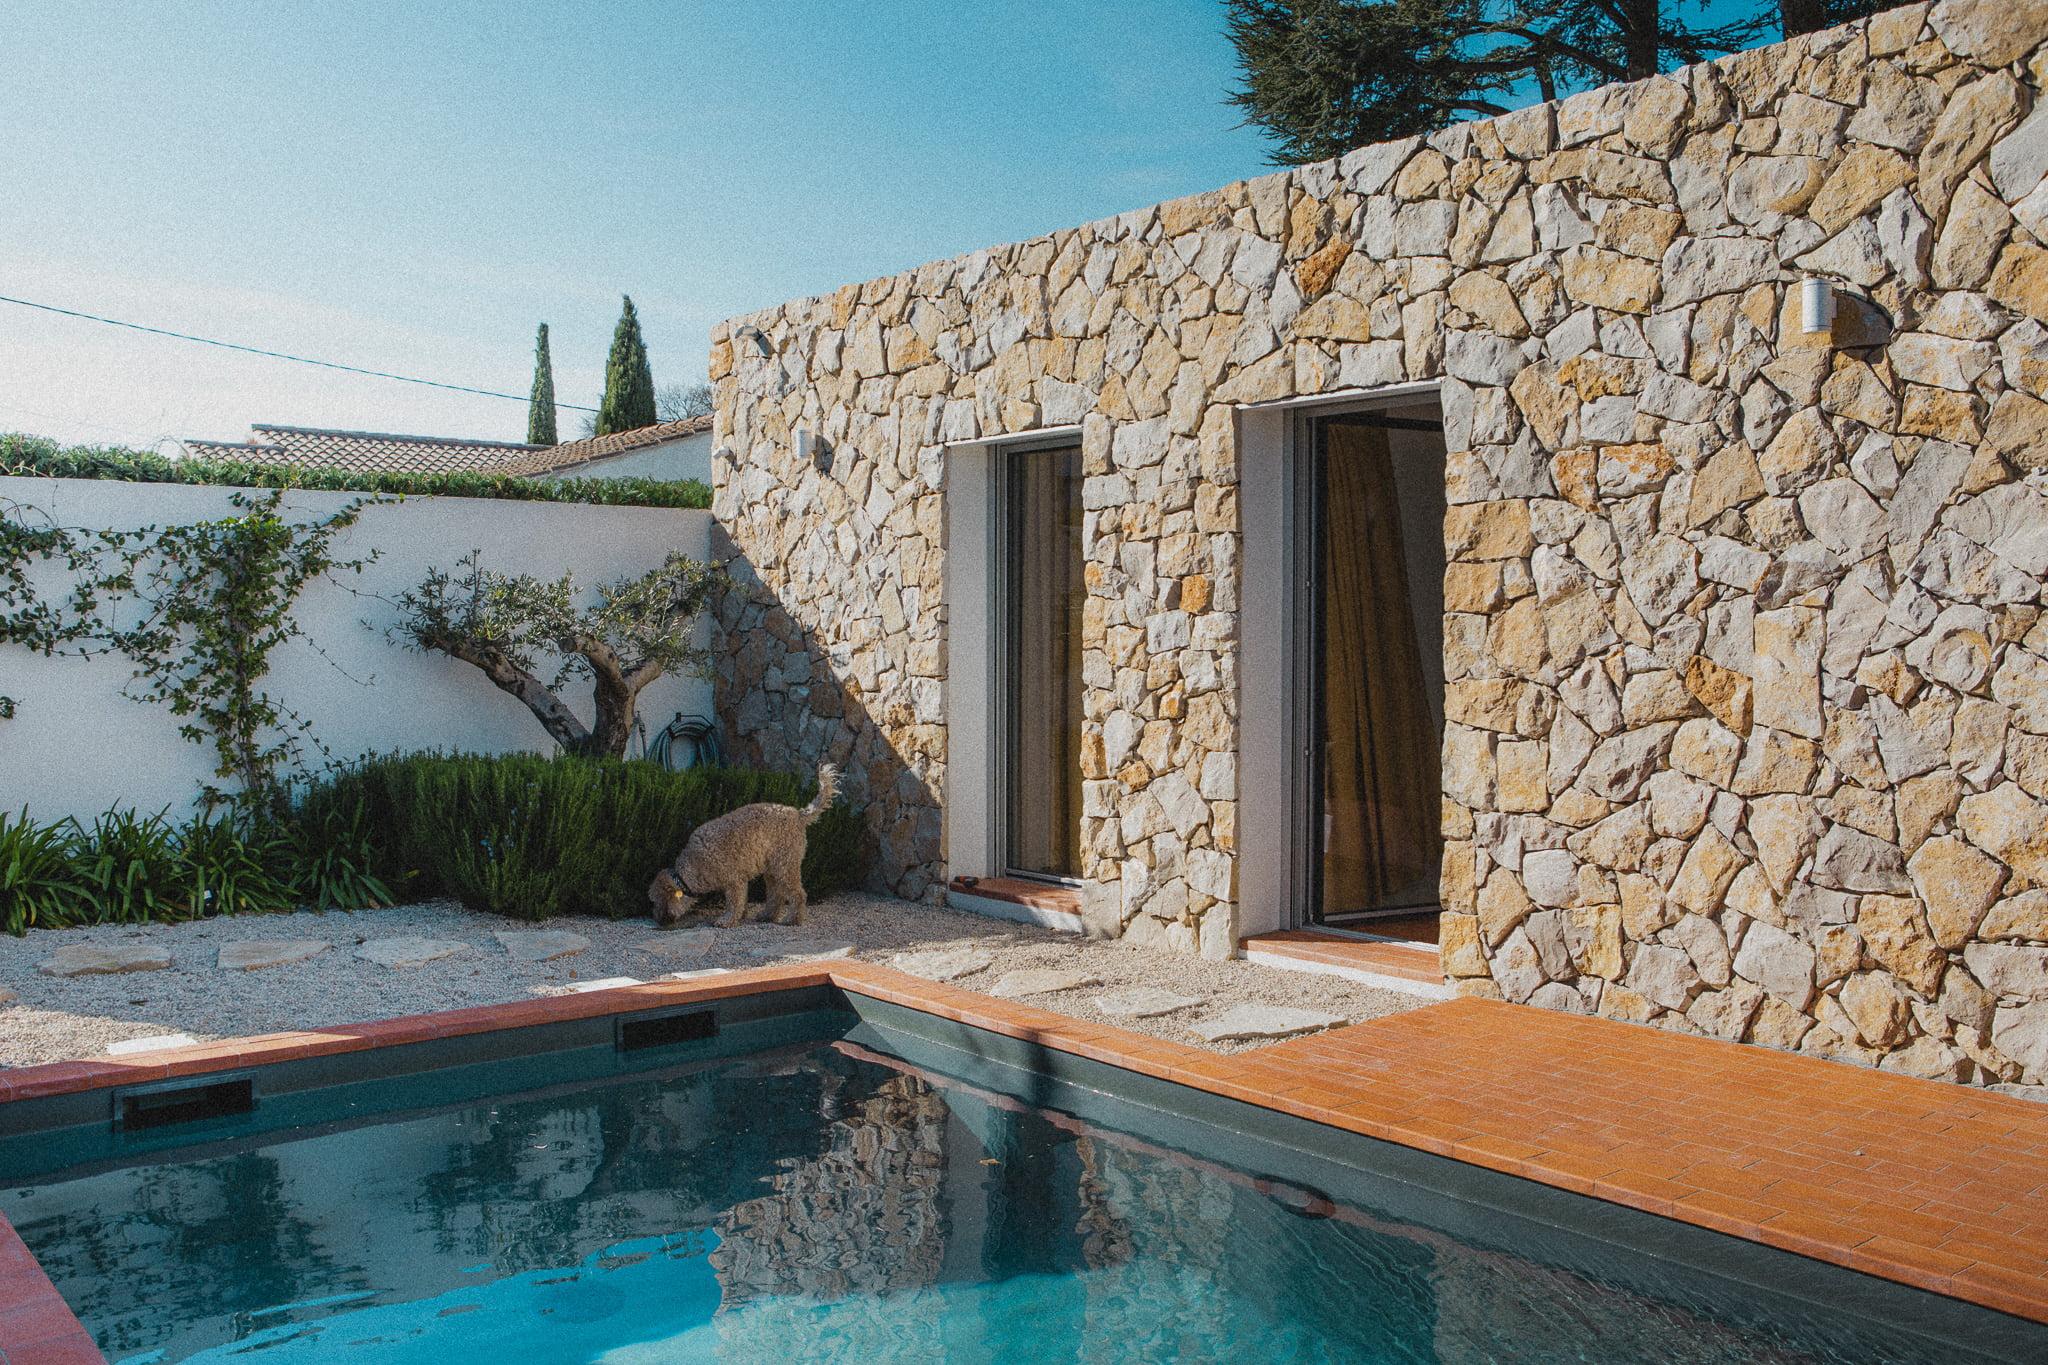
(540, 409)
(628, 381)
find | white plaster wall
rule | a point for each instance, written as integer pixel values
(686, 457)
(79, 746)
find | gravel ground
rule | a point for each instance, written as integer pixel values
(52, 1019)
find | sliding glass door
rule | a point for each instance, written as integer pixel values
(1042, 592)
(1375, 630)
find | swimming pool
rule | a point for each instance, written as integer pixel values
(813, 1176)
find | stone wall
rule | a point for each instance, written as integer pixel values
(1748, 677)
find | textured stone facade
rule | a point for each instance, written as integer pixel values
(1747, 700)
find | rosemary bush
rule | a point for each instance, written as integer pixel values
(531, 837)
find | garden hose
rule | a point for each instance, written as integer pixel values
(686, 742)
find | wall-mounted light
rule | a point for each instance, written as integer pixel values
(752, 336)
(1816, 306)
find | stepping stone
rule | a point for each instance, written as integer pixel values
(254, 954)
(679, 943)
(604, 983)
(800, 950)
(1142, 1002)
(1042, 981)
(156, 1044)
(540, 945)
(1241, 1022)
(103, 959)
(7, 997)
(410, 950)
(701, 971)
(944, 964)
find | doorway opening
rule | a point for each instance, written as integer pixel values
(1041, 596)
(1369, 633)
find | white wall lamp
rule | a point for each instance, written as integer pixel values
(1816, 307)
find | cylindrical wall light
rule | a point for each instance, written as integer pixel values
(1816, 306)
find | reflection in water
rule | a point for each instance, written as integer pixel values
(810, 1204)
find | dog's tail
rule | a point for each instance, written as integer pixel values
(828, 787)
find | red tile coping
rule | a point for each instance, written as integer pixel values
(1938, 1186)
(1408, 961)
(1062, 900)
(36, 1326)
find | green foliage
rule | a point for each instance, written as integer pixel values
(502, 624)
(220, 596)
(540, 409)
(237, 866)
(333, 858)
(41, 883)
(1321, 77)
(131, 867)
(38, 457)
(126, 868)
(532, 837)
(628, 401)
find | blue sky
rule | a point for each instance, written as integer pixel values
(413, 186)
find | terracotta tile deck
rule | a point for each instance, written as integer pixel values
(1933, 1185)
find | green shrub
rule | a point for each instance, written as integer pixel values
(236, 866)
(532, 837)
(39, 457)
(41, 883)
(332, 860)
(132, 867)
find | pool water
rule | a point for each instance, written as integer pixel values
(815, 1201)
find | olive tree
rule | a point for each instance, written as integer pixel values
(505, 625)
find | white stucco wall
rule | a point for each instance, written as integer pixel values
(79, 746)
(686, 457)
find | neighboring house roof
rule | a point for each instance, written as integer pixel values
(376, 452)
(549, 459)
(370, 452)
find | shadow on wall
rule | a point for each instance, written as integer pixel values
(783, 702)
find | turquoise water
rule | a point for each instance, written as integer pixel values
(808, 1204)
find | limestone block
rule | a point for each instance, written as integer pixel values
(1777, 961)
(2011, 826)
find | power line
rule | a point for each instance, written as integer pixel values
(281, 355)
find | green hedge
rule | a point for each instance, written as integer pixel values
(532, 837)
(39, 457)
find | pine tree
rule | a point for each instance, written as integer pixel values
(1321, 77)
(628, 401)
(540, 409)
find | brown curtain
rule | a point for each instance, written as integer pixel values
(1047, 593)
(1382, 841)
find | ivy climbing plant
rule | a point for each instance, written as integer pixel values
(208, 604)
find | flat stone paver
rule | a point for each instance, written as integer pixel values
(1142, 1002)
(1042, 981)
(255, 954)
(410, 950)
(540, 945)
(7, 997)
(679, 943)
(801, 950)
(944, 964)
(129, 1046)
(1241, 1022)
(698, 972)
(103, 959)
(604, 983)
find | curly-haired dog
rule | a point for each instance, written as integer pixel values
(763, 840)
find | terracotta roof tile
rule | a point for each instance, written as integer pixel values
(547, 459)
(376, 452)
